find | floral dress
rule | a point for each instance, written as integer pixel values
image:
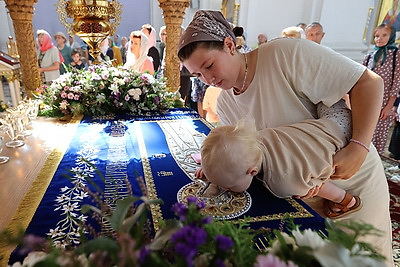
(390, 73)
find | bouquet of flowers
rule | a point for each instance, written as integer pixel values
(103, 90)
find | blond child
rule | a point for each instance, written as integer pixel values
(291, 160)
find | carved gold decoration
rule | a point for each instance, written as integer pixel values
(173, 12)
(21, 13)
(92, 20)
(219, 203)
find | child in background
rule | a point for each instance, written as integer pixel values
(77, 62)
(293, 160)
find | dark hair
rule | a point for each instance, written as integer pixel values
(188, 49)
(76, 51)
(147, 27)
(238, 31)
(314, 24)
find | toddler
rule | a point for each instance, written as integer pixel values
(291, 160)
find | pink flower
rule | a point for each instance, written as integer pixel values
(70, 95)
(63, 94)
(271, 261)
(76, 97)
(127, 98)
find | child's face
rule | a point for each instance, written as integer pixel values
(76, 57)
(233, 183)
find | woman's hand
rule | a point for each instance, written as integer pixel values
(348, 161)
(385, 113)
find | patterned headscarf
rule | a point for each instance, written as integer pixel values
(382, 51)
(207, 25)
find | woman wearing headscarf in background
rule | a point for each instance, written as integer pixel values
(385, 61)
(136, 56)
(49, 57)
(153, 51)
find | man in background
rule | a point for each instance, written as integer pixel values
(315, 32)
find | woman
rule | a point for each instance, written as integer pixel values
(150, 33)
(65, 50)
(136, 56)
(281, 83)
(385, 61)
(49, 57)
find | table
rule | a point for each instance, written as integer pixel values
(156, 147)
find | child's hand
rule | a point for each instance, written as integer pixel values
(311, 193)
(199, 173)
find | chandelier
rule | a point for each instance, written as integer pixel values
(91, 20)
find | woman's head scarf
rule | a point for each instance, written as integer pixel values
(207, 25)
(131, 61)
(47, 43)
(382, 51)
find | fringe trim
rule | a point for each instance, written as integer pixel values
(27, 208)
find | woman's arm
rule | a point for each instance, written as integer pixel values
(366, 101)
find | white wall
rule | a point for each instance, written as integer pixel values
(343, 20)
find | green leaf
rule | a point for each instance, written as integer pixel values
(163, 235)
(120, 213)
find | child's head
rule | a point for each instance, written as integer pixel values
(232, 155)
(76, 55)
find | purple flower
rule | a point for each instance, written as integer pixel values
(157, 100)
(143, 253)
(223, 242)
(207, 220)
(187, 240)
(180, 210)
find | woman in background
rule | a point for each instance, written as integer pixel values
(136, 57)
(150, 32)
(49, 58)
(385, 61)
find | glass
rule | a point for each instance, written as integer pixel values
(13, 128)
(3, 159)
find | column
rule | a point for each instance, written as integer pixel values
(173, 12)
(21, 13)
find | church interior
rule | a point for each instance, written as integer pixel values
(92, 125)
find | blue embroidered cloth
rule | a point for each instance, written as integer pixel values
(155, 147)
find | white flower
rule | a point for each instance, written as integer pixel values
(114, 87)
(63, 105)
(100, 98)
(135, 93)
(336, 255)
(276, 245)
(308, 238)
(148, 77)
(33, 258)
